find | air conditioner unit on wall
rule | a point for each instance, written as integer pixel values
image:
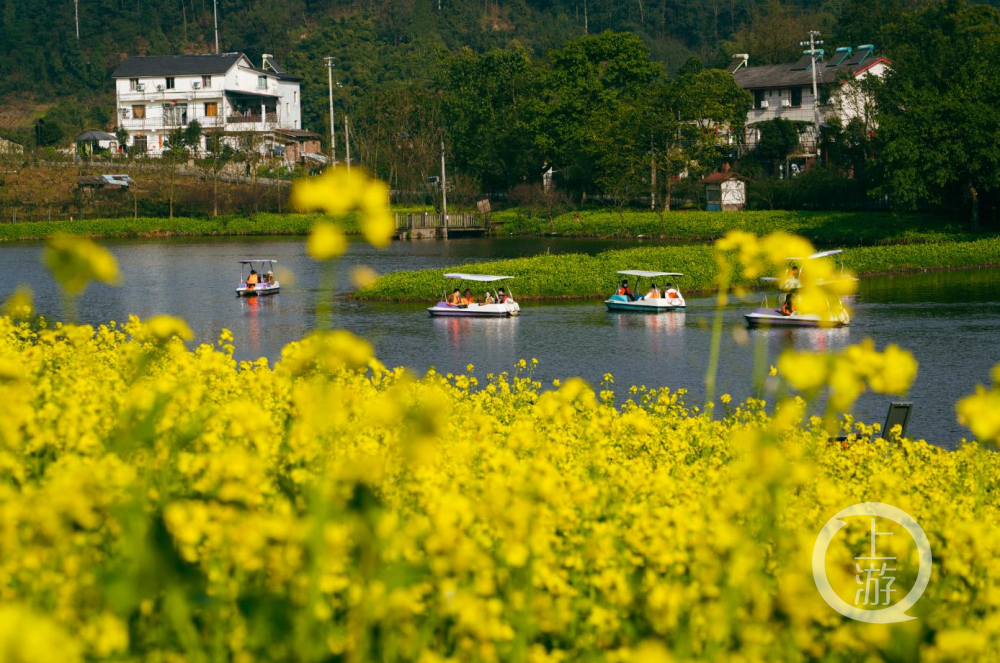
(196, 85)
(159, 88)
(141, 87)
(764, 104)
(785, 103)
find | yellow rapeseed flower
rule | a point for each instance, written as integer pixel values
(76, 261)
(326, 240)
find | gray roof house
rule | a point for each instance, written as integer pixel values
(224, 92)
(785, 90)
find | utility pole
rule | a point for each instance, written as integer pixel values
(347, 139)
(333, 127)
(652, 175)
(215, 12)
(585, 17)
(813, 43)
(76, 10)
(444, 187)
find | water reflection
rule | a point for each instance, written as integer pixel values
(669, 323)
(805, 338)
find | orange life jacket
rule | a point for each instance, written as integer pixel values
(787, 308)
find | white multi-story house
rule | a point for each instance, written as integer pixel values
(224, 92)
(785, 90)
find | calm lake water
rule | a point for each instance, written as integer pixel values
(950, 320)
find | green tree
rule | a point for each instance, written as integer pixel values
(180, 142)
(218, 154)
(596, 90)
(777, 139)
(696, 116)
(493, 115)
(937, 111)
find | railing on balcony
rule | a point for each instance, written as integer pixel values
(153, 123)
(251, 118)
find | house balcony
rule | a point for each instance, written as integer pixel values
(154, 124)
(251, 118)
(176, 94)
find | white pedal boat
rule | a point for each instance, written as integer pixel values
(836, 314)
(502, 305)
(265, 282)
(670, 298)
(772, 317)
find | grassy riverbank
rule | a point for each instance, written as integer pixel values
(841, 228)
(579, 275)
(823, 228)
(259, 224)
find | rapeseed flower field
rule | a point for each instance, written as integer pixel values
(160, 502)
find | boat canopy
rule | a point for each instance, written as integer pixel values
(485, 278)
(639, 272)
(820, 254)
(252, 260)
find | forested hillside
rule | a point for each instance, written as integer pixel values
(517, 86)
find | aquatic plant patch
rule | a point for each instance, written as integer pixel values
(579, 275)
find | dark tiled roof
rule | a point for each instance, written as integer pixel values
(94, 134)
(716, 178)
(786, 75)
(296, 133)
(176, 65)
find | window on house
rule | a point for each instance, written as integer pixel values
(796, 96)
(133, 84)
(175, 114)
(206, 81)
(286, 108)
(140, 144)
(170, 82)
(139, 112)
(262, 81)
(758, 98)
(295, 96)
(211, 109)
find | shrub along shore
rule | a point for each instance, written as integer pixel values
(258, 224)
(822, 228)
(575, 275)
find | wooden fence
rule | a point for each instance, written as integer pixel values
(411, 221)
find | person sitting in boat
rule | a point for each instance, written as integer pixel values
(625, 291)
(789, 306)
(467, 297)
(269, 277)
(488, 299)
(252, 280)
(654, 292)
(672, 292)
(455, 298)
(501, 296)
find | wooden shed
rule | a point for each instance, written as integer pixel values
(725, 191)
